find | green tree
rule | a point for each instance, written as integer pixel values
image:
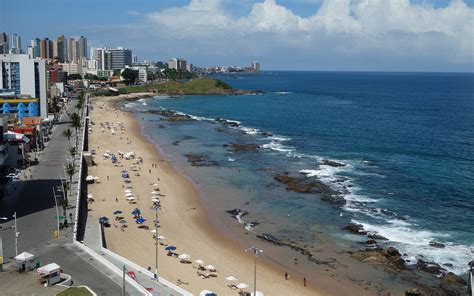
(72, 151)
(75, 122)
(130, 75)
(70, 171)
(74, 76)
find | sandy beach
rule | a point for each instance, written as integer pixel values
(183, 222)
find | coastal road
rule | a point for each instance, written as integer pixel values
(32, 199)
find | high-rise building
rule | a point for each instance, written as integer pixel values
(36, 45)
(177, 64)
(16, 44)
(82, 48)
(59, 49)
(25, 76)
(117, 58)
(4, 47)
(98, 54)
(72, 50)
(255, 66)
(46, 49)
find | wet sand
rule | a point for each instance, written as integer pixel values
(186, 224)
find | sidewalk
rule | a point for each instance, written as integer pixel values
(93, 241)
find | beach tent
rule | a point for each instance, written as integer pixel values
(25, 262)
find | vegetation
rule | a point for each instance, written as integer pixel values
(75, 291)
(70, 171)
(74, 76)
(130, 76)
(195, 86)
(75, 122)
(177, 74)
(68, 134)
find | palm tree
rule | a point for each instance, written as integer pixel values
(70, 171)
(68, 134)
(75, 123)
(72, 151)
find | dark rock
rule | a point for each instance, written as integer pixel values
(389, 257)
(236, 212)
(171, 116)
(374, 235)
(371, 242)
(243, 147)
(355, 228)
(175, 143)
(199, 160)
(332, 163)
(429, 267)
(227, 122)
(335, 199)
(413, 292)
(437, 244)
(268, 134)
(453, 279)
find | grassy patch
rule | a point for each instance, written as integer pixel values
(75, 291)
(195, 86)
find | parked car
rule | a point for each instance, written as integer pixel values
(14, 176)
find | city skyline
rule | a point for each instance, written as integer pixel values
(397, 35)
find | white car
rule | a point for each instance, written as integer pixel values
(14, 176)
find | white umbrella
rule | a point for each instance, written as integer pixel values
(127, 191)
(128, 194)
(161, 237)
(90, 178)
(96, 178)
(90, 195)
(231, 278)
(211, 267)
(184, 256)
(242, 286)
(206, 292)
(199, 261)
(156, 185)
(257, 294)
(153, 231)
(155, 200)
(131, 198)
(154, 193)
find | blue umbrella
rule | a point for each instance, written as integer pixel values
(170, 248)
(140, 220)
(103, 220)
(211, 294)
(117, 212)
(123, 221)
(136, 212)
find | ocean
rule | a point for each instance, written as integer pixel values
(405, 143)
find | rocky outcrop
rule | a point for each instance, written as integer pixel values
(227, 122)
(389, 257)
(244, 147)
(355, 229)
(453, 279)
(199, 160)
(429, 267)
(414, 292)
(237, 212)
(332, 163)
(437, 245)
(171, 116)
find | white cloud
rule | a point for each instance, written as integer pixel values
(353, 31)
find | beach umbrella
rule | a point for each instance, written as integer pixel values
(170, 248)
(136, 212)
(117, 212)
(153, 231)
(199, 261)
(140, 220)
(128, 194)
(155, 200)
(123, 221)
(90, 195)
(211, 267)
(231, 278)
(90, 178)
(96, 178)
(127, 181)
(127, 191)
(154, 192)
(257, 294)
(130, 198)
(160, 237)
(207, 293)
(103, 220)
(155, 185)
(242, 286)
(184, 256)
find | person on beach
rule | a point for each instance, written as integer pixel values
(149, 171)
(286, 276)
(304, 281)
(116, 199)
(108, 178)
(295, 261)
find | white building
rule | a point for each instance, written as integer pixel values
(72, 68)
(25, 76)
(255, 66)
(142, 76)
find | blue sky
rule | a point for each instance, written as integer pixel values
(389, 35)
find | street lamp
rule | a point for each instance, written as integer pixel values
(156, 208)
(16, 236)
(57, 211)
(2, 220)
(257, 252)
